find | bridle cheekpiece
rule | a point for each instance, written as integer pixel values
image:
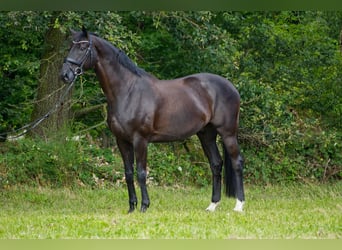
(79, 69)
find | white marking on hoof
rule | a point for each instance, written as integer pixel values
(212, 206)
(239, 206)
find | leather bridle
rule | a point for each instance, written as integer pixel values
(79, 69)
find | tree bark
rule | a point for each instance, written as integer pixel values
(341, 41)
(50, 87)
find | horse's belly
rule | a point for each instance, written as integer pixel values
(176, 129)
(163, 137)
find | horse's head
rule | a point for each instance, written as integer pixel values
(81, 56)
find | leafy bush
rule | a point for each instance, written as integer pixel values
(61, 162)
(68, 161)
(281, 143)
(178, 164)
(308, 155)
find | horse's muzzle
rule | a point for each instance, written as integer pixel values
(67, 75)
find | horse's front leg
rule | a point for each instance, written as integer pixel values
(127, 153)
(140, 149)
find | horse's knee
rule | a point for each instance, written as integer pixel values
(233, 150)
(142, 175)
(216, 168)
(129, 176)
(238, 164)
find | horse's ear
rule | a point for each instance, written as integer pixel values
(85, 32)
(73, 33)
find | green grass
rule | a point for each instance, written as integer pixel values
(274, 212)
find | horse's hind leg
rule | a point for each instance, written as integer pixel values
(140, 150)
(207, 138)
(230, 142)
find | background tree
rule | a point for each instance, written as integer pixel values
(50, 87)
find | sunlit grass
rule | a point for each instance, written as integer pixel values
(270, 213)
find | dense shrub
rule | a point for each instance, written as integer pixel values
(308, 155)
(60, 162)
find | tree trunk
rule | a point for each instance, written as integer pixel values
(341, 41)
(50, 87)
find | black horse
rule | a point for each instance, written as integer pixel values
(143, 109)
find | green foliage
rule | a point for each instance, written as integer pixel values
(294, 54)
(281, 145)
(19, 65)
(286, 66)
(177, 165)
(174, 44)
(73, 161)
(64, 161)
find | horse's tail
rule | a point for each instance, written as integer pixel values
(229, 174)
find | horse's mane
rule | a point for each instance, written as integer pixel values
(123, 59)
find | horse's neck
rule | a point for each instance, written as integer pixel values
(114, 79)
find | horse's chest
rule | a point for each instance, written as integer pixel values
(117, 126)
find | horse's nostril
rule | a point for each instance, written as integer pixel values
(65, 77)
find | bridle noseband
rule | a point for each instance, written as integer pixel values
(79, 69)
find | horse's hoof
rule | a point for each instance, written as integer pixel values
(143, 208)
(239, 206)
(212, 206)
(132, 207)
(131, 210)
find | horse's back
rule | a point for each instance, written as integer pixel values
(207, 87)
(217, 82)
(203, 98)
(207, 80)
(220, 90)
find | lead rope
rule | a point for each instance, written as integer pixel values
(28, 127)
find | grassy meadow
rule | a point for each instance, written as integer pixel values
(271, 212)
